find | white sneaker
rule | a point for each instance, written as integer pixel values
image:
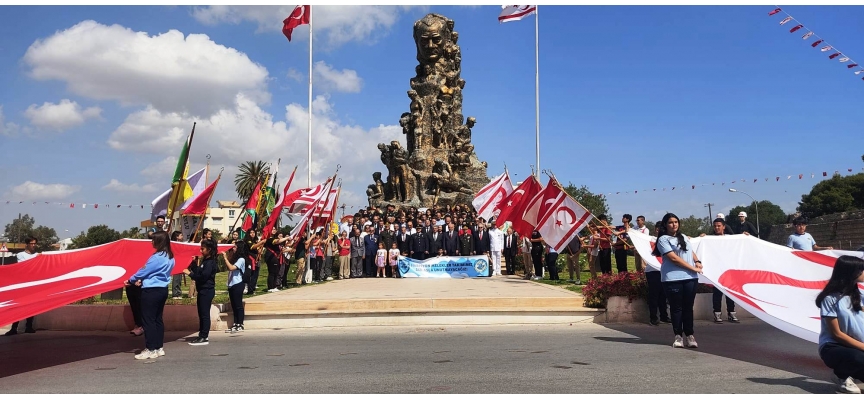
(690, 342)
(329, 278)
(678, 343)
(146, 355)
(161, 352)
(733, 318)
(718, 319)
(846, 386)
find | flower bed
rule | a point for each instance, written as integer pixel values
(631, 285)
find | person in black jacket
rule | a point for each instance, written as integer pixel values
(436, 242)
(511, 248)
(419, 245)
(745, 226)
(451, 240)
(204, 276)
(481, 241)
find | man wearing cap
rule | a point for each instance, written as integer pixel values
(746, 227)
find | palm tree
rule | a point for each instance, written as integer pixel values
(247, 178)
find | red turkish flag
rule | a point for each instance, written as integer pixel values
(513, 206)
(563, 221)
(56, 278)
(300, 16)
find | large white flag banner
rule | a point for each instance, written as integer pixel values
(487, 199)
(775, 283)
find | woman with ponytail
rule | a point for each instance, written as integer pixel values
(841, 339)
(679, 274)
(204, 276)
(237, 263)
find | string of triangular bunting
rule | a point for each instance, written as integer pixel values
(833, 51)
(776, 178)
(75, 205)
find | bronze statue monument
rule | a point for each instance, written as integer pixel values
(438, 166)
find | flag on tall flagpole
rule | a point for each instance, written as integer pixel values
(300, 16)
(515, 13)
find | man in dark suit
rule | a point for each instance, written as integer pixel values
(403, 242)
(451, 240)
(481, 241)
(370, 243)
(436, 242)
(419, 246)
(358, 252)
(511, 247)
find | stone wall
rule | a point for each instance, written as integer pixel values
(843, 231)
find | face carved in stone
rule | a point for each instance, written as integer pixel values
(430, 34)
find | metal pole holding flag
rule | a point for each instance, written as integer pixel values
(309, 166)
(537, 79)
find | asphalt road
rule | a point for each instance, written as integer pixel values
(751, 357)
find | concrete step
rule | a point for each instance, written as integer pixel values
(364, 305)
(406, 317)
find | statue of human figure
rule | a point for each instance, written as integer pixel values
(375, 191)
(400, 183)
(386, 159)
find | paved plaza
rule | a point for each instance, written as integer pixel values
(751, 357)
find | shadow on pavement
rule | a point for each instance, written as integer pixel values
(751, 341)
(800, 382)
(29, 352)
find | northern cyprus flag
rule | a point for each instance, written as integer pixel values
(515, 13)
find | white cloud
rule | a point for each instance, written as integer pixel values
(247, 132)
(337, 24)
(117, 186)
(7, 128)
(62, 116)
(170, 71)
(294, 74)
(36, 191)
(345, 80)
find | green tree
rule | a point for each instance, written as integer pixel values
(23, 226)
(596, 203)
(770, 214)
(133, 233)
(838, 194)
(217, 235)
(693, 226)
(95, 235)
(247, 178)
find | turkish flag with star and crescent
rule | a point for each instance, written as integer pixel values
(513, 206)
(300, 16)
(54, 279)
(563, 220)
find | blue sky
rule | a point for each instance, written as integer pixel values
(632, 98)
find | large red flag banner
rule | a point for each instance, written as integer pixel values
(56, 278)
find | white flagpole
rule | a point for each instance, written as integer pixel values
(537, 79)
(309, 167)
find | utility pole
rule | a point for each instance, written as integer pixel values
(710, 215)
